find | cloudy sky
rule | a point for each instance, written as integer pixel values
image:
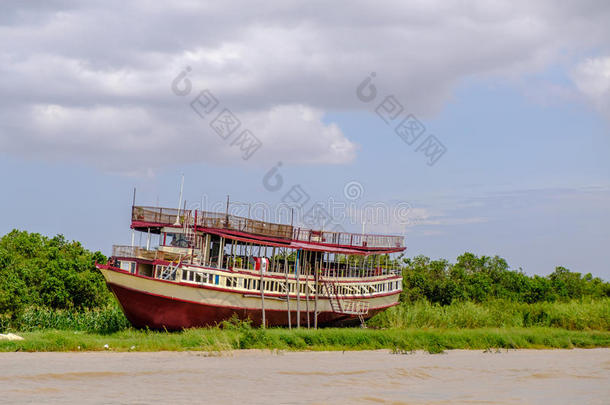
(478, 126)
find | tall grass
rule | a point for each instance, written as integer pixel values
(573, 315)
(408, 327)
(103, 320)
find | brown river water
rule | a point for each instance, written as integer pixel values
(256, 377)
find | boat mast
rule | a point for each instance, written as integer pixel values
(133, 205)
(227, 213)
(180, 201)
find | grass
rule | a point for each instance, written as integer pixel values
(578, 315)
(419, 326)
(104, 320)
(397, 340)
(591, 314)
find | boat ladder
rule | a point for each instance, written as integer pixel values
(169, 273)
(344, 306)
(188, 230)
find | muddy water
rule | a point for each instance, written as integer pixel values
(469, 377)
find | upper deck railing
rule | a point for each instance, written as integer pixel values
(141, 253)
(327, 271)
(215, 220)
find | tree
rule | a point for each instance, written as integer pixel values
(51, 272)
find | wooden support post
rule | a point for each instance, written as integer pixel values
(287, 289)
(232, 254)
(206, 249)
(315, 306)
(273, 258)
(298, 276)
(262, 296)
(307, 271)
(221, 251)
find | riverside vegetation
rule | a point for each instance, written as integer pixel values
(52, 295)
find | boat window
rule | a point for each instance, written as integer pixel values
(177, 240)
(231, 282)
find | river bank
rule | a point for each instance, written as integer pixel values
(399, 340)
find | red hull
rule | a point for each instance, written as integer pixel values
(157, 312)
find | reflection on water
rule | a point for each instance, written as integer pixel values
(467, 377)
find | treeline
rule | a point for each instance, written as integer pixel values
(36, 271)
(482, 279)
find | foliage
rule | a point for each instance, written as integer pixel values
(484, 278)
(48, 272)
(50, 283)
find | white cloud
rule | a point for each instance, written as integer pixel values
(592, 77)
(133, 139)
(85, 80)
(310, 140)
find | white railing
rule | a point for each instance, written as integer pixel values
(251, 283)
(348, 239)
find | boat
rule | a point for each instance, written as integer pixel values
(210, 267)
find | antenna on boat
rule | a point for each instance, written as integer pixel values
(363, 219)
(180, 201)
(227, 213)
(133, 231)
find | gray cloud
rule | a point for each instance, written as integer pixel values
(91, 81)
